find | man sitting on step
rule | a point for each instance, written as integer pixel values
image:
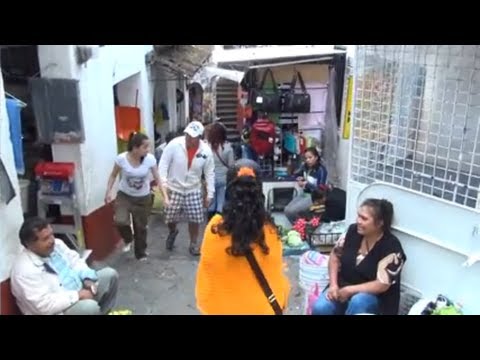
(48, 278)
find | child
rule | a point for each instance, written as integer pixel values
(319, 198)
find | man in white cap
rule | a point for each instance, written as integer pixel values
(184, 160)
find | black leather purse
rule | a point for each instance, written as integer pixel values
(296, 102)
(266, 100)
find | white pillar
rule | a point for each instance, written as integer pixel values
(172, 104)
(11, 215)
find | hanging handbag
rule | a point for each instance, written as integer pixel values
(296, 102)
(272, 300)
(266, 100)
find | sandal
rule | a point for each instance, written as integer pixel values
(194, 250)
(171, 240)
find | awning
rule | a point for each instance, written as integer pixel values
(185, 59)
(233, 75)
(243, 59)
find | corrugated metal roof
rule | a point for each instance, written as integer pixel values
(185, 59)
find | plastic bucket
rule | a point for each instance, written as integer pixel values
(313, 270)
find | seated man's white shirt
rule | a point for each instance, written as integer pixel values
(39, 290)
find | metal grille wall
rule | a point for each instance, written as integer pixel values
(417, 119)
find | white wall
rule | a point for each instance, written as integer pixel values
(11, 215)
(112, 64)
(127, 90)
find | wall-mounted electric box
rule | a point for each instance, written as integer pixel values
(56, 104)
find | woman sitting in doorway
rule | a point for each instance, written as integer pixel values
(226, 282)
(311, 175)
(365, 266)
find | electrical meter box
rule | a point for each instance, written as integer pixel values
(56, 105)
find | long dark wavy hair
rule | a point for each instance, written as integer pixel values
(217, 135)
(244, 214)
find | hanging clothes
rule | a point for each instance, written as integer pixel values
(15, 119)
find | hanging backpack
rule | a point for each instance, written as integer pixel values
(262, 137)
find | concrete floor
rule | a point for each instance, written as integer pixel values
(165, 283)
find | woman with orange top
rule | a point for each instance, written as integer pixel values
(244, 238)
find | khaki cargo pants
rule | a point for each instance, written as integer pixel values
(139, 209)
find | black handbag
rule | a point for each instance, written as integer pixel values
(296, 102)
(266, 100)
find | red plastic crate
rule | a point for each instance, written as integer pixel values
(55, 178)
(55, 170)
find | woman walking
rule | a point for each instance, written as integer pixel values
(134, 192)
(223, 158)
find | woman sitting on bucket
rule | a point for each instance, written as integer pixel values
(365, 266)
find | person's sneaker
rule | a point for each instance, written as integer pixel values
(171, 240)
(127, 248)
(144, 257)
(194, 249)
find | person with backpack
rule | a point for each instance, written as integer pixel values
(223, 159)
(310, 176)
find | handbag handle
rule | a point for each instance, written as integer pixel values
(264, 77)
(298, 75)
(272, 300)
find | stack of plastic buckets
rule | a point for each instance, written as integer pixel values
(313, 272)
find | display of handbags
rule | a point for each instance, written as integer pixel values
(272, 100)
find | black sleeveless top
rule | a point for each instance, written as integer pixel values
(383, 262)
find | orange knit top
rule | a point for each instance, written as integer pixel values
(226, 285)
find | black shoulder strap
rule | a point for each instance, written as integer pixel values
(264, 283)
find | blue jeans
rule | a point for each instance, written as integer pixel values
(360, 303)
(219, 198)
(248, 153)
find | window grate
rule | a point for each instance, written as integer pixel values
(417, 119)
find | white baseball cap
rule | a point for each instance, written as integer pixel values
(194, 129)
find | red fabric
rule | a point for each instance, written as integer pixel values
(191, 153)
